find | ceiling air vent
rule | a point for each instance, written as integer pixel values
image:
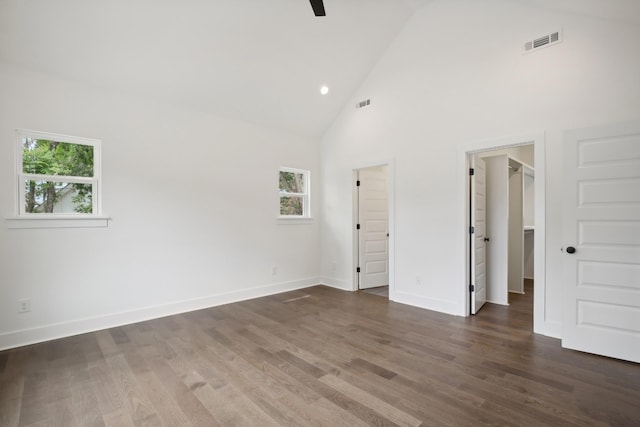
(364, 103)
(543, 41)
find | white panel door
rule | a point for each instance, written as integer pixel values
(602, 241)
(478, 243)
(373, 217)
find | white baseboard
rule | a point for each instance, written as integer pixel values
(344, 285)
(49, 332)
(442, 306)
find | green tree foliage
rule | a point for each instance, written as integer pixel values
(44, 157)
(290, 184)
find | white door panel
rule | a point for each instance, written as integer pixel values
(479, 223)
(373, 217)
(602, 222)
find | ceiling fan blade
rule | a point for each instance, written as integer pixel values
(318, 7)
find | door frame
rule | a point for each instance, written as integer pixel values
(540, 324)
(390, 164)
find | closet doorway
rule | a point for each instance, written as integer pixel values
(502, 226)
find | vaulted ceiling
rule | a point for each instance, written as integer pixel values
(262, 61)
(257, 60)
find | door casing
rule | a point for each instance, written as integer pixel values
(540, 325)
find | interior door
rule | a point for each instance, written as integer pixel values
(373, 217)
(602, 241)
(478, 243)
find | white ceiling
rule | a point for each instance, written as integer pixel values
(256, 60)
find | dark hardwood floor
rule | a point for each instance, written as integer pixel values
(317, 356)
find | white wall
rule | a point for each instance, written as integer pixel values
(193, 200)
(516, 230)
(497, 214)
(456, 74)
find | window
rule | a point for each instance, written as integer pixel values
(58, 175)
(294, 193)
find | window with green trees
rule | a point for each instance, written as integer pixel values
(57, 174)
(294, 192)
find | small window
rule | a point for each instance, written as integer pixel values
(57, 174)
(294, 193)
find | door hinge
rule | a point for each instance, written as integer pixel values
(358, 270)
(472, 171)
(471, 288)
(472, 229)
(358, 183)
(357, 226)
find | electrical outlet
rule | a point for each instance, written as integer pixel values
(274, 270)
(24, 305)
(418, 280)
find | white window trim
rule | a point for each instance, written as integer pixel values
(306, 197)
(58, 221)
(290, 219)
(22, 219)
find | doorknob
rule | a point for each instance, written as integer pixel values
(486, 239)
(571, 250)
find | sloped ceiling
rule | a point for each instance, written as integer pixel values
(261, 61)
(623, 11)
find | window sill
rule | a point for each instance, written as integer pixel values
(281, 220)
(57, 222)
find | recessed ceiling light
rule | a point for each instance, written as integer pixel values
(324, 90)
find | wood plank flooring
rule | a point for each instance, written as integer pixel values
(313, 357)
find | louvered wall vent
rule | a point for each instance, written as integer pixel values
(543, 41)
(364, 103)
